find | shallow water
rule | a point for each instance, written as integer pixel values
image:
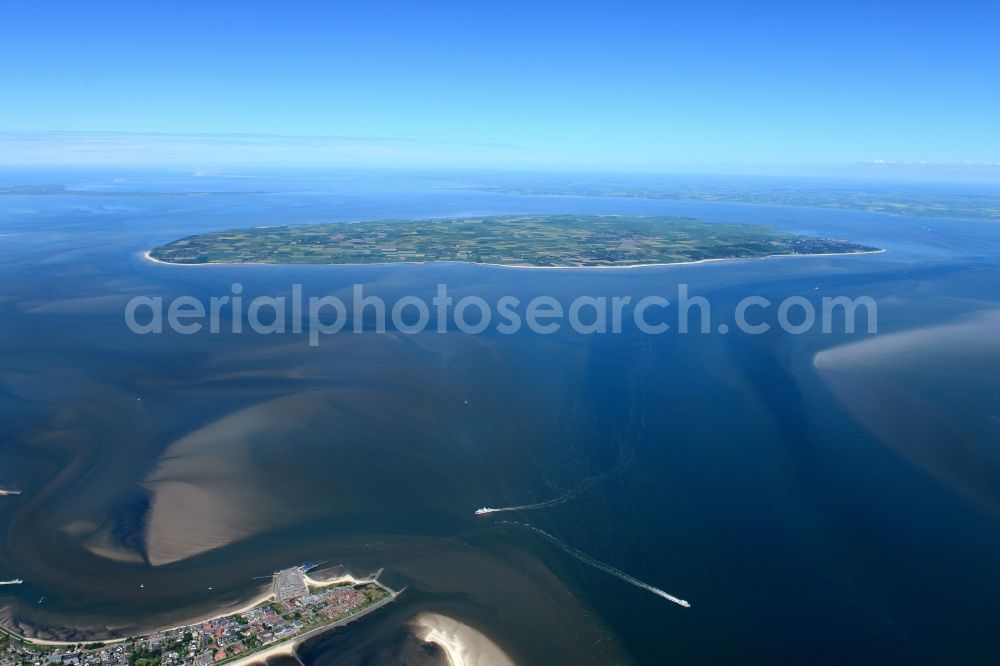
(778, 491)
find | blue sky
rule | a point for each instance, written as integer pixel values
(704, 86)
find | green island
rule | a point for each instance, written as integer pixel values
(297, 608)
(526, 240)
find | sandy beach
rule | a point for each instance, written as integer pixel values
(339, 580)
(282, 650)
(111, 641)
(41, 641)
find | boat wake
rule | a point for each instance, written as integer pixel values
(597, 564)
(526, 507)
(577, 490)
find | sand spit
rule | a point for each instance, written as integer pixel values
(927, 394)
(463, 645)
(207, 490)
(936, 347)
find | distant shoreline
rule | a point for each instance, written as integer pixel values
(148, 257)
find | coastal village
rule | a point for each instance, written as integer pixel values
(297, 607)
